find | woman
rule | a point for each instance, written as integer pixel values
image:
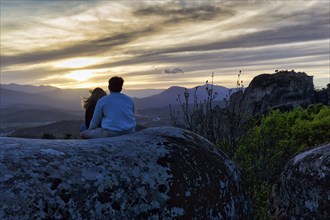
(89, 104)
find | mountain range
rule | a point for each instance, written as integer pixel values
(141, 93)
(45, 109)
(171, 95)
(27, 103)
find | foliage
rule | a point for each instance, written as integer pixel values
(48, 136)
(225, 127)
(68, 136)
(198, 116)
(260, 145)
(262, 155)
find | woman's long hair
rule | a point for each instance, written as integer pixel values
(96, 94)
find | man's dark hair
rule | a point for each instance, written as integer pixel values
(116, 84)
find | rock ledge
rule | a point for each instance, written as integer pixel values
(159, 173)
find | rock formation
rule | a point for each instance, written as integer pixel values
(282, 90)
(323, 95)
(303, 191)
(159, 173)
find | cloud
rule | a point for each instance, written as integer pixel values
(104, 44)
(174, 14)
(84, 48)
(129, 37)
(312, 27)
(173, 71)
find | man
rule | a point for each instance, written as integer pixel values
(115, 113)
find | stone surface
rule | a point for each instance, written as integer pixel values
(282, 90)
(157, 173)
(303, 191)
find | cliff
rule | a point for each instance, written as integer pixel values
(282, 90)
(160, 173)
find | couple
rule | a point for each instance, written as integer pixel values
(113, 114)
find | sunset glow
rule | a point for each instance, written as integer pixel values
(158, 44)
(80, 75)
(76, 62)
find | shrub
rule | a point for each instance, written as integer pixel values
(225, 127)
(68, 136)
(263, 154)
(48, 136)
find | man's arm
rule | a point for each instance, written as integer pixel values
(97, 117)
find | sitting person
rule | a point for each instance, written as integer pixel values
(115, 113)
(89, 105)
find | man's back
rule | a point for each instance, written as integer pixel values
(115, 111)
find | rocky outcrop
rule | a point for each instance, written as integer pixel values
(303, 191)
(323, 95)
(282, 90)
(157, 173)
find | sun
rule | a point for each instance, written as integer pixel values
(80, 75)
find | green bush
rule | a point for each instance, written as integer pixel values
(262, 155)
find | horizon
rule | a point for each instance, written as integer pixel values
(105, 87)
(156, 45)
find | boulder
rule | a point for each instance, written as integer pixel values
(157, 173)
(303, 191)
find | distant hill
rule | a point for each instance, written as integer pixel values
(170, 95)
(59, 129)
(26, 115)
(28, 105)
(142, 93)
(46, 96)
(60, 99)
(74, 93)
(70, 99)
(11, 98)
(27, 88)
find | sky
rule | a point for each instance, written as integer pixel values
(158, 44)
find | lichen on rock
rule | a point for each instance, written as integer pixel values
(156, 173)
(303, 190)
